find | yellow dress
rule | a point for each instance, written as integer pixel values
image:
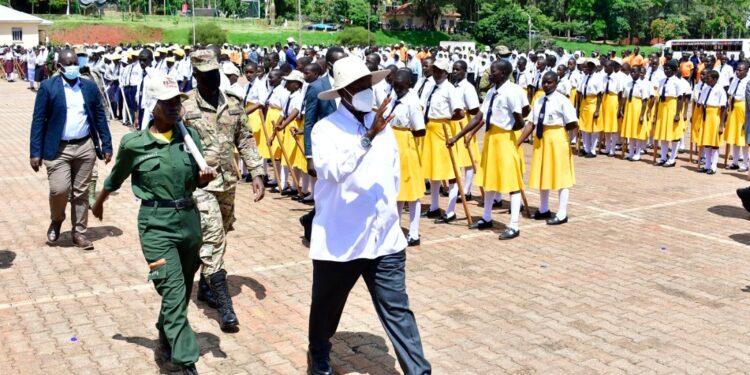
(500, 168)
(587, 122)
(734, 133)
(272, 115)
(696, 123)
(436, 161)
(464, 161)
(710, 129)
(552, 160)
(254, 121)
(573, 92)
(411, 183)
(631, 124)
(667, 129)
(608, 113)
(292, 146)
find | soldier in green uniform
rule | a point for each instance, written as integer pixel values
(164, 175)
(221, 122)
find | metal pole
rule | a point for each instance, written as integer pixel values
(299, 21)
(192, 13)
(529, 32)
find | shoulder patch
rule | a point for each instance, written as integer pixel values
(192, 115)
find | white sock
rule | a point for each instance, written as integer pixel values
(284, 176)
(305, 183)
(664, 145)
(585, 140)
(435, 195)
(415, 208)
(673, 156)
(594, 142)
(744, 157)
(452, 197)
(562, 209)
(498, 197)
(714, 158)
(489, 198)
(515, 210)
(277, 163)
(573, 136)
(468, 180)
(735, 155)
(543, 201)
(631, 148)
(707, 154)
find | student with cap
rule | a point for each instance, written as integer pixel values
(713, 104)
(164, 175)
(441, 104)
(500, 168)
(668, 114)
(356, 231)
(589, 105)
(470, 100)
(552, 160)
(635, 123)
(735, 131)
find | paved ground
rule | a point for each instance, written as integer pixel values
(649, 276)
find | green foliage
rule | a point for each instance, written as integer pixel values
(506, 23)
(355, 36)
(672, 27)
(208, 33)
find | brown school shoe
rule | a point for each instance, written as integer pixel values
(81, 241)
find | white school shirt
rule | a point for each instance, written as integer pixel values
(726, 72)
(698, 91)
(407, 112)
(135, 74)
(714, 97)
(76, 120)
(278, 97)
(442, 100)
(294, 101)
(564, 86)
(611, 84)
(31, 60)
(381, 90)
(558, 111)
(468, 94)
(737, 88)
(669, 87)
(509, 99)
(422, 84)
(655, 77)
(640, 88)
(248, 92)
(524, 79)
(356, 192)
(685, 87)
(590, 84)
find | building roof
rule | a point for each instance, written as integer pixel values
(12, 15)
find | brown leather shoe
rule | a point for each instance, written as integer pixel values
(81, 241)
(53, 232)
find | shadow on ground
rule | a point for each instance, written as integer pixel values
(733, 212)
(207, 342)
(6, 258)
(350, 347)
(93, 234)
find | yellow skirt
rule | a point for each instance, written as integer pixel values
(587, 122)
(667, 129)
(538, 94)
(272, 115)
(696, 122)
(521, 155)
(463, 159)
(411, 183)
(500, 168)
(296, 156)
(710, 129)
(734, 134)
(631, 120)
(654, 120)
(254, 121)
(552, 161)
(573, 92)
(436, 161)
(608, 113)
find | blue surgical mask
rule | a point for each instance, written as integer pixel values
(83, 60)
(72, 72)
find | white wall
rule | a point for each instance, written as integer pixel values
(30, 34)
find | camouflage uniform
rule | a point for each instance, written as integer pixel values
(221, 130)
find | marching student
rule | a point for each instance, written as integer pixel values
(668, 115)
(294, 159)
(270, 106)
(635, 124)
(610, 108)
(697, 114)
(655, 74)
(441, 104)
(407, 125)
(470, 99)
(500, 169)
(713, 104)
(735, 131)
(589, 104)
(564, 86)
(552, 160)
(535, 86)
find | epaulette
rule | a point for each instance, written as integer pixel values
(192, 115)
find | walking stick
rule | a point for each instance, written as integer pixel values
(471, 158)
(126, 117)
(458, 178)
(286, 158)
(265, 133)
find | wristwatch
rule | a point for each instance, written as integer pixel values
(365, 142)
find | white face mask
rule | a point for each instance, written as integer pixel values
(362, 101)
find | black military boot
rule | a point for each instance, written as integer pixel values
(218, 283)
(164, 353)
(205, 294)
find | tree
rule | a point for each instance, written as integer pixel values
(672, 27)
(506, 23)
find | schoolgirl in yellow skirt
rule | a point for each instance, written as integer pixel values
(697, 114)
(713, 104)
(668, 115)
(552, 160)
(468, 94)
(284, 141)
(612, 95)
(734, 134)
(590, 103)
(635, 125)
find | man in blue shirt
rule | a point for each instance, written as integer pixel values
(291, 57)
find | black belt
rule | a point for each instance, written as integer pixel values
(178, 204)
(77, 140)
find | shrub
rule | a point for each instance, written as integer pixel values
(354, 36)
(208, 33)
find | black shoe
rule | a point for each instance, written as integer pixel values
(445, 219)
(248, 178)
(744, 194)
(412, 242)
(660, 163)
(481, 224)
(702, 170)
(274, 190)
(289, 191)
(733, 167)
(509, 234)
(590, 156)
(710, 172)
(228, 319)
(318, 366)
(582, 153)
(628, 158)
(556, 221)
(443, 192)
(53, 232)
(431, 214)
(669, 165)
(189, 369)
(468, 198)
(306, 222)
(163, 354)
(541, 215)
(204, 293)
(271, 184)
(427, 188)
(497, 204)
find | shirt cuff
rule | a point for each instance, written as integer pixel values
(257, 172)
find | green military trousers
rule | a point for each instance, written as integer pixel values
(175, 236)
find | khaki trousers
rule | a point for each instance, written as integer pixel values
(69, 175)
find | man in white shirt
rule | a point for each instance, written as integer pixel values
(356, 230)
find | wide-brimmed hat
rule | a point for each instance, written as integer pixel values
(295, 75)
(346, 71)
(502, 50)
(230, 69)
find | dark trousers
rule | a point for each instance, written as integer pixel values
(129, 92)
(471, 78)
(385, 278)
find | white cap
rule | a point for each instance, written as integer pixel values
(442, 64)
(295, 75)
(348, 70)
(161, 87)
(229, 69)
(290, 40)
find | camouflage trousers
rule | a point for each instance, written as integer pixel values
(217, 215)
